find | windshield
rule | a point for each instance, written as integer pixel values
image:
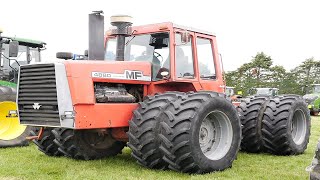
(26, 55)
(316, 89)
(264, 91)
(229, 92)
(153, 48)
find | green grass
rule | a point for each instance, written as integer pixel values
(29, 163)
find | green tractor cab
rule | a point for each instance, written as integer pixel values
(312, 98)
(263, 91)
(13, 53)
(235, 98)
(229, 91)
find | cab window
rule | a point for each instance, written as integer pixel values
(184, 58)
(205, 59)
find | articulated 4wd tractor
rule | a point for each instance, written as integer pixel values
(14, 52)
(157, 88)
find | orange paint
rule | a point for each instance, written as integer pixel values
(103, 115)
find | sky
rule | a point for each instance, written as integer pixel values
(286, 30)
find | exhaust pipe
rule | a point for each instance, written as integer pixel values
(123, 24)
(96, 36)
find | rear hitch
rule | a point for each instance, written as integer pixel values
(30, 138)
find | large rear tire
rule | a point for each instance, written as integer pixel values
(11, 132)
(86, 144)
(144, 129)
(251, 112)
(45, 142)
(200, 133)
(286, 125)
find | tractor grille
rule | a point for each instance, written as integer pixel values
(37, 98)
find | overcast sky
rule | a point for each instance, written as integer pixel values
(286, 30)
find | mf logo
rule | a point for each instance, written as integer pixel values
(133, 74)
(36, 106)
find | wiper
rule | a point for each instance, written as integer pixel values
(208, 77)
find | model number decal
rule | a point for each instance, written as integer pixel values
(128, 74)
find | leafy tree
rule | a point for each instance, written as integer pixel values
(259, 72)
(307, 73)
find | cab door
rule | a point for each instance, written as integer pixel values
(208, 63)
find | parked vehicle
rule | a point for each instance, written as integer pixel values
(14, 52)
(157, 87)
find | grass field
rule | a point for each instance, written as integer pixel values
(29, 163)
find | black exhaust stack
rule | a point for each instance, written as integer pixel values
(123, 24)
(96, 36)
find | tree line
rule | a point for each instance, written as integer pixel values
(260, 72)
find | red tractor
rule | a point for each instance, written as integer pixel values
(158, 87)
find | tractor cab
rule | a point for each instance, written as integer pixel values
(229, 91)
(264, 91)
(312, 98)
(177, 54)
(15, 52)
(314, 89)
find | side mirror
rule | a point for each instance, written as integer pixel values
(13, 49)
(185, 37)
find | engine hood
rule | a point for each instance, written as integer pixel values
(109, 70)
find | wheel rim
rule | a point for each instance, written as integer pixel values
(97, 140)
(215, 135)
(299, 127)
(10, 127)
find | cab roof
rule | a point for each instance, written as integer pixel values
(27, 42)
(167, 26)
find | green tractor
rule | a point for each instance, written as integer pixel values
(13, 53)
(312, 98)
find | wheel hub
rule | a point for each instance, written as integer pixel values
(215, 135)
(298, 127)
(206, 135)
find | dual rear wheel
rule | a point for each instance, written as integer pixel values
(194, 133)
(278, 125)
